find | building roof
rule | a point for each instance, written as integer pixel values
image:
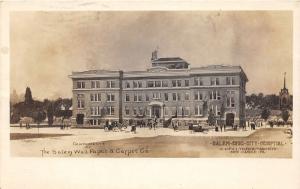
(170, 59)
(162, 72)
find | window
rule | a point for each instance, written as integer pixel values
(80, 85)
(214, 95)
(212, 81)
(230, 81)
(127, 85)
(140, 85)
(173, 111)
(137, 98)
(135, 84)
(150, 84)
(230, 101)
(178, 96)
(127, 98)
(95, 97)
(218, 110)
(110, 97)
(95, 111)
(186, 83)
(173, 83)
(198, 95)
(165, 83)
(187, 96)
(134, 111)
(80, 95)
(92, 97)
(233, 81)
(198, 110)
(147, 97)
(217, 81)
(218, 95)
(166, 97)
(98, 97)
(227, 80)
(111, 110)
(127, 111)
(180, 111)
(156, 95)
(157, 83)
(80, 103)
(178, 83)
(166, 111)
(186, 111)
(200, 81)
(110, 84)
(196, 81)
(174, 96)
(141, 111)
(140, 98)
(95, 121)
(95, 84)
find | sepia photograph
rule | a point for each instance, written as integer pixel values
(151, 84)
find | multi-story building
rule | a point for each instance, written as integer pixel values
(170, 88)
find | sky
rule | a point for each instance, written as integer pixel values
(47, 46)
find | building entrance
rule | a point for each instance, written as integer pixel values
(79, 119)
(229, 119)
(156, 111)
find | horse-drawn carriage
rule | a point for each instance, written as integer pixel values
(115, 126)
(198, 127)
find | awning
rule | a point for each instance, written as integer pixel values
(156, 103)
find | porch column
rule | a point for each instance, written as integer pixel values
(150, 111)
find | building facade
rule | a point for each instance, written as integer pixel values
(170, 88)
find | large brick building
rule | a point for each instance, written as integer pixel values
(170, 88)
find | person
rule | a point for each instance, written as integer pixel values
(150, 122)
(155, 122)
(133, 129)
(174, 125)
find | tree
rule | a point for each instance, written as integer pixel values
(285, 115)
(211, 120)
(14, 98)
(265, 114)
(39, 116)
(50, 112)
(222, 113)
(28, 97)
